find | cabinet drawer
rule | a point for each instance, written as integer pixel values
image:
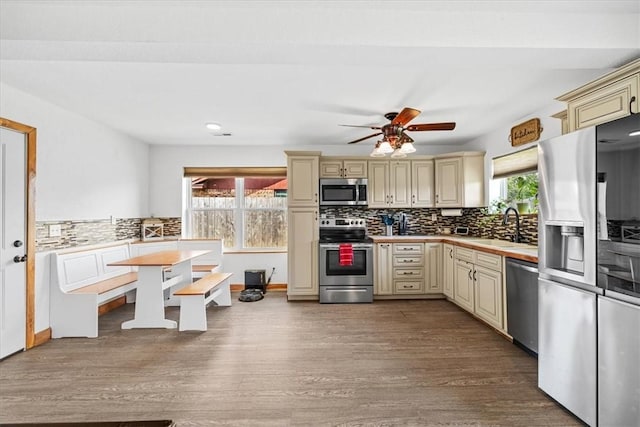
(408, 248)
(407, 261)
(408, 273)
(490, 261)
(464, 253)
(408, 287)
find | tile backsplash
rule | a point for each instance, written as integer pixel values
(420, 222)
(93, 232)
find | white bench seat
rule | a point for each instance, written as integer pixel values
(81, 282)
(194, 298)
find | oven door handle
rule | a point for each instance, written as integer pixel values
(353, 245)
(350, 290)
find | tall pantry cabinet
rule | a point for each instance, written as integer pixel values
(302, 217)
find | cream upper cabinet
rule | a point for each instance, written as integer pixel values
(336, 168)
(448, 268)
(449, 181)
(612, 96)
(302, 180)
(302, 260)
(459, 181)
(389, 184)
(422, 184)
(383, 270)
(433, 268)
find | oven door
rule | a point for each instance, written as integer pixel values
(360, 272)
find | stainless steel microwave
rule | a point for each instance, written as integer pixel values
(343, 192)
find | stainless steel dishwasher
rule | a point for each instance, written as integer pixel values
(522, 303)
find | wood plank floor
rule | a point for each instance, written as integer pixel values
(280, 363)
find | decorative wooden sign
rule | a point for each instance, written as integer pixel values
(526, 132)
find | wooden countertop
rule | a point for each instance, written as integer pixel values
(499, 247)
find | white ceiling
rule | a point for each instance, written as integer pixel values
(288, 72)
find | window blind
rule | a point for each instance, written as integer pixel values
(239, 172)
(518, 163)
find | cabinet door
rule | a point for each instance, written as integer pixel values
(449, 180)
(400, 184)
(463, 285)
(378, 184)
(383, 272)
(422, 184)
(604, 105)
(330, 169)
(354, 169)
(302, 179)
(448, 270)
(488, 295)
(302, 259)
(433, 268)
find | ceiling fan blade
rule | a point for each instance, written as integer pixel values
(362, 126)
(431, 126)
(366, 137)
(405, 116)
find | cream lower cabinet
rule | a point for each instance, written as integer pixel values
(302, 261)
(433, 268)
(478, 284)
(408, 268)
(448, 266)
(383, 269)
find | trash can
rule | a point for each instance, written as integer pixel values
(255, 279)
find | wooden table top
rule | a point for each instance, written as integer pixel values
(163, 258)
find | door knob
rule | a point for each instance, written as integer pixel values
(18, 258)
(17, 243)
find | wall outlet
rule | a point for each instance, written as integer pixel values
(434, 217)
(55, 230)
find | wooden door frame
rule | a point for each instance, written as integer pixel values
(30, 136)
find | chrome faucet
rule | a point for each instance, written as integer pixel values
(518, 237)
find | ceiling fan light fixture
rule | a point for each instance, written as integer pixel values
(407, 148)
(397, 153)
(385, 147)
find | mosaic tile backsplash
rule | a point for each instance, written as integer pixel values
(420, 222)
(81, 233)
(93, 232)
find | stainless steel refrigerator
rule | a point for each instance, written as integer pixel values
(586, 271)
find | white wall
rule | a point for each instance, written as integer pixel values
(497, 143)
(84, 170)
(237, 263)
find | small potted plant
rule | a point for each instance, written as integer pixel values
(523, 190)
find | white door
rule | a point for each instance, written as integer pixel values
(13, 271)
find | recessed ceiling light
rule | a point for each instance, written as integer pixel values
(634, 133)
(213, 126)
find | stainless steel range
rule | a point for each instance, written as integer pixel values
(345, 261)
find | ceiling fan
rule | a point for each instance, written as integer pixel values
(394, 132)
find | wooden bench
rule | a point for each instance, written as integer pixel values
(194, 298)
(81, 282)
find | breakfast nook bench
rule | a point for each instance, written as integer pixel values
(81, 282)
(194, 298)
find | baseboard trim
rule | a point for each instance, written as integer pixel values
(237, 287)
(42, 337)
(112, 305)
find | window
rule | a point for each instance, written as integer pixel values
(245, 212)
(515, 182)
